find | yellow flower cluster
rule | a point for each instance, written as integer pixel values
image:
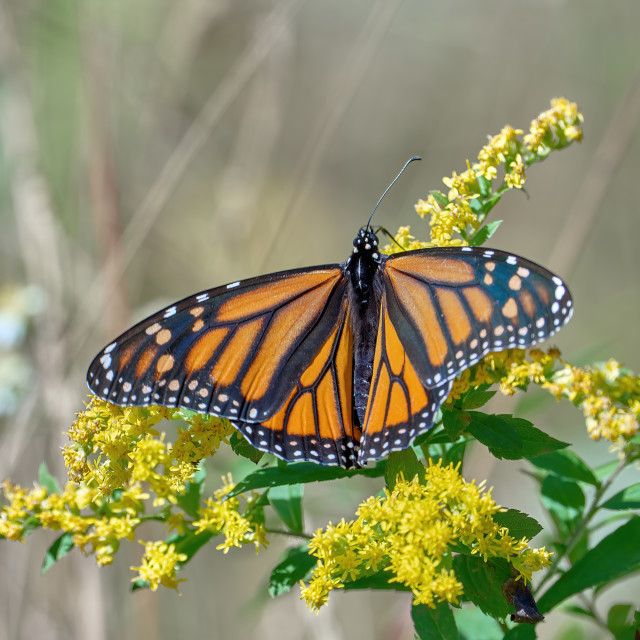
(159, 564)
(109, 519)
(608, 397)
(471, 194)
(113, 447)
(411, 533)
(555, 128)
(221, 515)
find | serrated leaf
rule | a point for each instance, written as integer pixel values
(301, 473)
(403, 462)
(484, 233)
(434, 624)
(59, 549)
(46, 480)
(295, 565)
(242, 447)
(287, 502)
(566, 464)
(509, 437)
(455, 422)
(476, 398)
(520, 524)
(615, 556)
(628, 498)
(482, 582)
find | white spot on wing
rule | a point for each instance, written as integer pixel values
(233, 285)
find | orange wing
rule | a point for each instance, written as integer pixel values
(315, 422)
(400, 407)
(235, 351)
(451, 306)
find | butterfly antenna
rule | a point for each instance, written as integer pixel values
(406, 164)
(391, 236)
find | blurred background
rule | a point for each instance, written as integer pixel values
(152, 149)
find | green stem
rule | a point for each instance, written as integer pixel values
(584, 522)
(293, 534)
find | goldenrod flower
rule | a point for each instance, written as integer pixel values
(159, 564)
(410, 532)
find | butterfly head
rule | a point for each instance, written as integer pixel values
(366, 244)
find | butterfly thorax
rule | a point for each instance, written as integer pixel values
(362, 270)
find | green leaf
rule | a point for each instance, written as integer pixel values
(564, 500)
(628, 498)
(189, 501)
(140, 584)
(454, 454)
(482, 582)
(300, 473)
(287, 502)
(403, 462)
(476, 398)
(242, 447)
(520, 524)
(484, 184)
(59, 549)
(579, 611)
(189, 543)
(473, 624)
(615, 556)
(521, 632)
(605, 470)
(484, 233)
(509, 437)
(619, 618)
(378, 580)
(455, 422)
(434, 624)
(46, 480)
(566, 464)
(440, 198)
(295, 565)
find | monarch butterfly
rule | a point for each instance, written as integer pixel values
(335, 364)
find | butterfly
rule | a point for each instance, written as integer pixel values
(335, 364)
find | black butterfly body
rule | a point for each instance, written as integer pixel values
(336, 364)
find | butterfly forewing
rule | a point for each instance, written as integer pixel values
(451, 306)
(235, 351)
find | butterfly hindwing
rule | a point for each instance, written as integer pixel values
(234, 351)
(315, 422)
(451, 306)
(400, 406)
